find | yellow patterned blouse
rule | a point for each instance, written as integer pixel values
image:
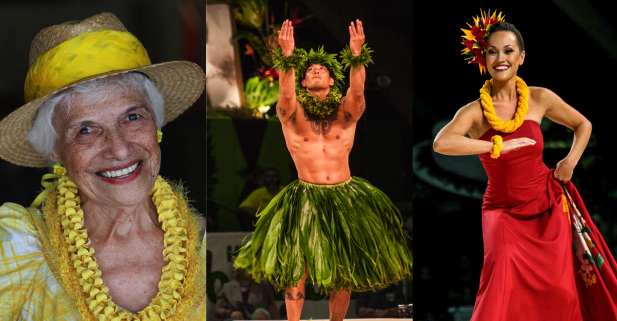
(28, 288)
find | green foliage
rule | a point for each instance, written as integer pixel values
(261, 92)
(320, 57)
(285, 64)
(301, 61)
(348, 60)
(317, 106)
(325, 233)
(254, 15)
(257, 43)
(250, 13)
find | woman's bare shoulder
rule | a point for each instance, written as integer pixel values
(472, 111)
(541, 94)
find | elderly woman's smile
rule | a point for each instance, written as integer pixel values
(107, 238)
(108, 144)
(117, 175)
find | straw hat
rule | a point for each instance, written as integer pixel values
(180, 82)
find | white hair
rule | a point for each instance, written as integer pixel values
(42, 135)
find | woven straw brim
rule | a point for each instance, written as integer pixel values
(180, 82)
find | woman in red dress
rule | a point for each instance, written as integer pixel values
(543, 257)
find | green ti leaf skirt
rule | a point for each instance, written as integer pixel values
(349, 234)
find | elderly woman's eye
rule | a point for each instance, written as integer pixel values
(132, 117)
(85, 130)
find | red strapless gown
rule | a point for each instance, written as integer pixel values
(530, 271)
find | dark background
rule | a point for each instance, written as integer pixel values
(570, 49)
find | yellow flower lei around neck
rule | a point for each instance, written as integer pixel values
(497, 123)
(172, 284)
(489, 111)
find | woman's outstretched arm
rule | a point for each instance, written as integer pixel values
(451, 140)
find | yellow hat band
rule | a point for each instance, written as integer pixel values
(89, 54)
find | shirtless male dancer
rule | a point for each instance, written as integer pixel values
(349, 233)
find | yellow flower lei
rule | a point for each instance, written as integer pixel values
(171, 286)
(489, 111)
(496, 122)
(498, 144)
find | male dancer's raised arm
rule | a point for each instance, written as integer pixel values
(354, 101)
(287, 105)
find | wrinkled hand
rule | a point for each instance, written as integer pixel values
(356, 37)
(564, 170)
(516, 144)
(286, 38)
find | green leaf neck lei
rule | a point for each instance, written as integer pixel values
(317, 106)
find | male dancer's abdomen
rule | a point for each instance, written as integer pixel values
(320, 162)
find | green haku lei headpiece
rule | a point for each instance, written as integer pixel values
(320, 57)
(301, 61)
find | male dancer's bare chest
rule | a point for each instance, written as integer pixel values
(316, 137)
(305, 123)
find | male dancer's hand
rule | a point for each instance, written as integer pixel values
(356, 38)
(286, 38)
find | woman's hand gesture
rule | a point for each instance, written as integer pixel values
(516, 144)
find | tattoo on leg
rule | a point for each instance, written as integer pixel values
(280, 110)
(300, 296)
(289, 297)
(362, 108)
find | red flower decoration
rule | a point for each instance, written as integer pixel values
(271, 73)
(295, 19)
(474, 39)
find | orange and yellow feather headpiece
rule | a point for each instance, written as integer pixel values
(475, 37)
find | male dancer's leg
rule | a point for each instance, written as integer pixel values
(294, 298)
(338, 304)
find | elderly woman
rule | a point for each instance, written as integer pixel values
(94, 103)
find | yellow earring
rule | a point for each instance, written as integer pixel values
(59, 169)
(159, 135)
